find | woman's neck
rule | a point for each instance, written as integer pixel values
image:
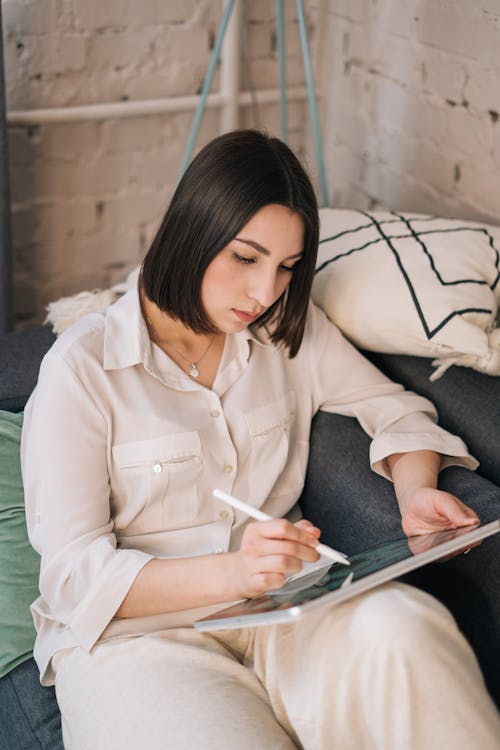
(197, 354)
(163, 328)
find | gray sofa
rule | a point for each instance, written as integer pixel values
(353, 506)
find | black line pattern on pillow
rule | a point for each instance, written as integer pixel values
(417, 236)
(372, 242)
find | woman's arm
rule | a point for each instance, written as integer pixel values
(423, 507)
(398, 421)
(408, 446)
(269, 552)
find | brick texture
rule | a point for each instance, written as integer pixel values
(408, 98)
(411, 104)
(87, 197)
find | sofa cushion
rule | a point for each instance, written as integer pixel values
(19, 563)
(29, 714)
(467, 402)
(20, 357)
(412, 284)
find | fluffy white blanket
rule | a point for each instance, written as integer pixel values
(62, 313)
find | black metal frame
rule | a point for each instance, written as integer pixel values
(6, 312)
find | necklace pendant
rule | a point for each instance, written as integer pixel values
(193, 370)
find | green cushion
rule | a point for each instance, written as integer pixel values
(19, 563)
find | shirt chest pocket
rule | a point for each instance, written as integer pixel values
(270, 427)
(157, 483)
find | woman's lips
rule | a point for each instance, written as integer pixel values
(246, 317)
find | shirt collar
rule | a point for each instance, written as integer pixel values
(259, 336)
(125, 333)
(127, 343)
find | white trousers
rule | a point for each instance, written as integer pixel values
(388, 670)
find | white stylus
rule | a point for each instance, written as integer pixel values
(259, 515)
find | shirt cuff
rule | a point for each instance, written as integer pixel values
(97, 609)
(452, 449)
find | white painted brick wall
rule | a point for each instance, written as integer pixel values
(87, 197)
(411, 104)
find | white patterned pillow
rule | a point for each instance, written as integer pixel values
(412, 284)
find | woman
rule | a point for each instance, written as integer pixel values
(207, 375)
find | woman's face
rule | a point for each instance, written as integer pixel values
(254, 269)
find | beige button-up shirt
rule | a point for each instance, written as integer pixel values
(121, 451)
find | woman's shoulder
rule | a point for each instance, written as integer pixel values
(318, 326)
(85, 338)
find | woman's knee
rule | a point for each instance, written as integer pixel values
(397, 608)
(399, 618)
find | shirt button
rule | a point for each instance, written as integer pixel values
(157, 468)
(214, 413)
(228, 468)
(219, 551)
(224, 514)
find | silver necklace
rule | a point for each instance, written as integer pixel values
(193, 366)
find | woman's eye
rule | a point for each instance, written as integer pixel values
(288, 269)
(243, 259)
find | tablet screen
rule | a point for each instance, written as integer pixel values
(335, 582)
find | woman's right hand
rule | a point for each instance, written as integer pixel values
(270, 552)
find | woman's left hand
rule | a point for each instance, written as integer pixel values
(423, 507)
(426, 509)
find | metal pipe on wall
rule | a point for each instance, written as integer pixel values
(141, 108)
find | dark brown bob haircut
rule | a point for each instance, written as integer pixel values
(229, 180)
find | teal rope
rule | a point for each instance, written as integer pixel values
(206, 87)
(312, 103)
(281, 57)
(283, 117)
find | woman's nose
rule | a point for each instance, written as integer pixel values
(263, 289)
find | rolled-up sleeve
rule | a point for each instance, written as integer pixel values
(83, 576)
(397, 420)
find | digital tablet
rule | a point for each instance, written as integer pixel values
(334, 583)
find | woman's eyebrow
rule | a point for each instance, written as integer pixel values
(264, 250)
